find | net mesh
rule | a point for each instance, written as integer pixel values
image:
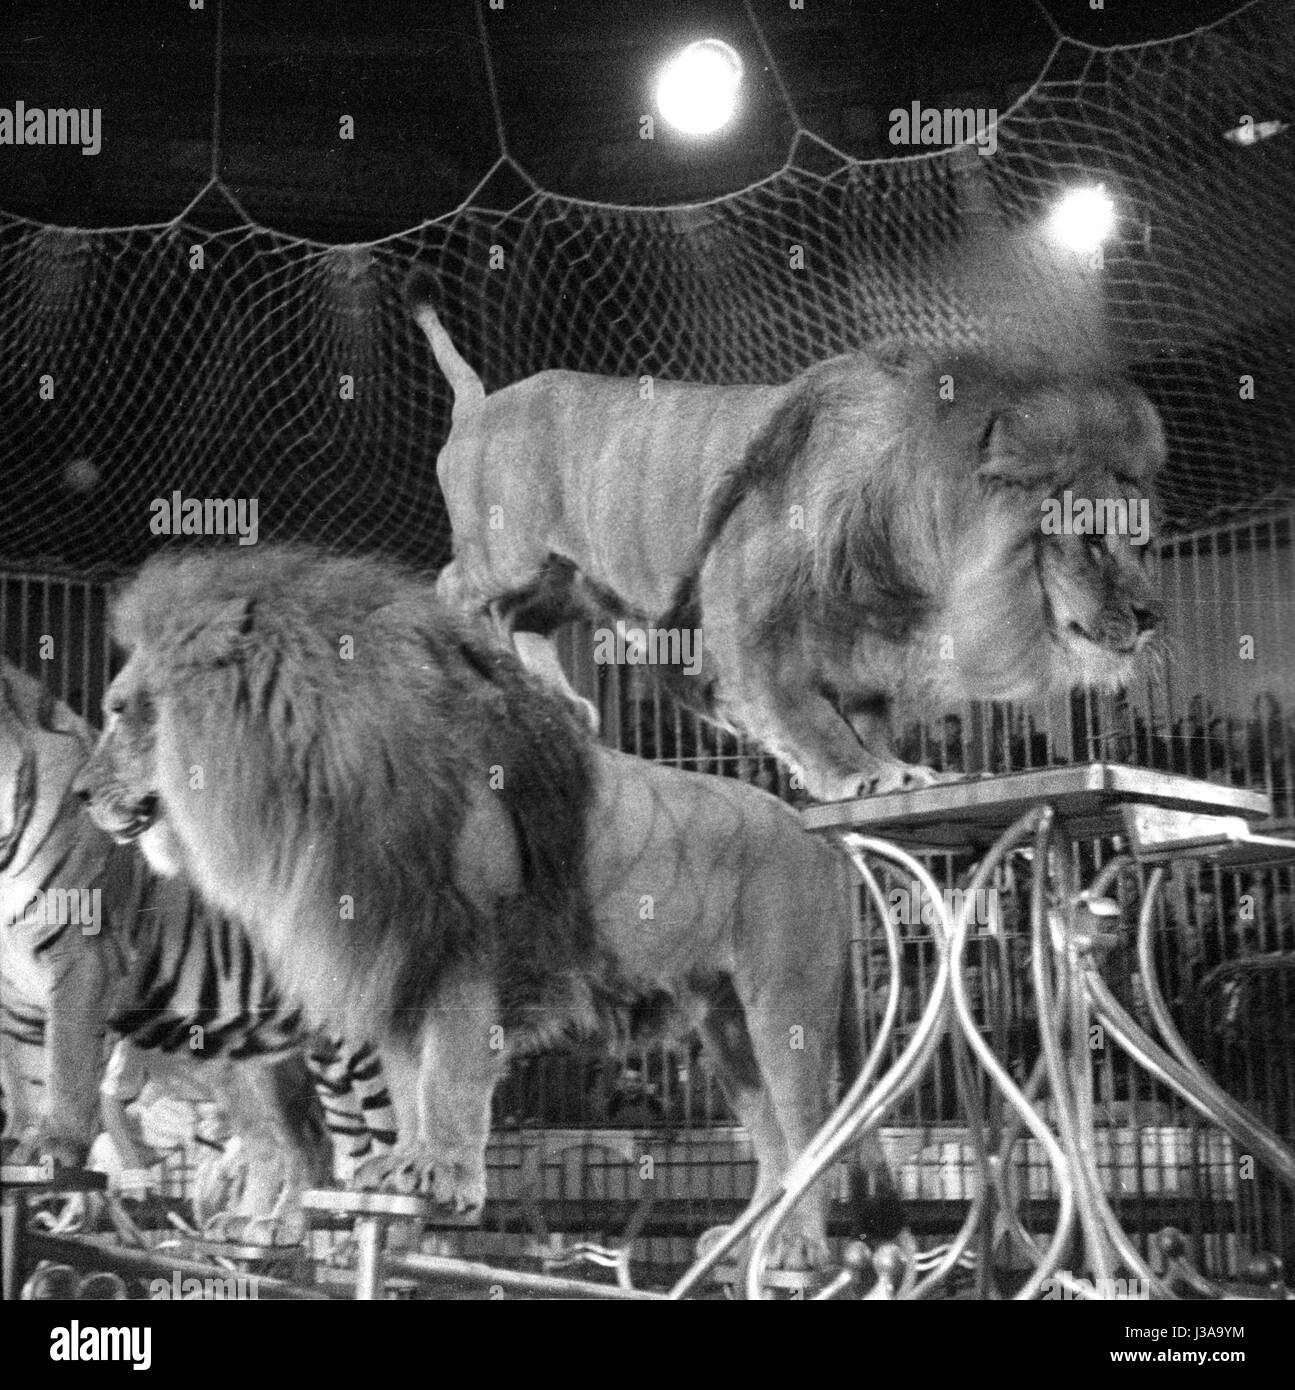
(237, 362)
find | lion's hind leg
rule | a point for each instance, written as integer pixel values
(778, 1132)
(535, 596)
(534, 612)
(540, 657)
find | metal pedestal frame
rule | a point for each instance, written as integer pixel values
(1162, 818)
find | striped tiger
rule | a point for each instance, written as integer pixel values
(92, 941)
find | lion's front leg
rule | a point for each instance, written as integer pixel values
(803, 728)
(779, 696)
(441, 1087)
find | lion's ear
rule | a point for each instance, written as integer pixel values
(895, 356)
(1150, 449)
(1006, 458)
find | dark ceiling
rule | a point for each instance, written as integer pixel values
(572, 79)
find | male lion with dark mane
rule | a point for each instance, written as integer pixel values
(432, 854)
(865, 539)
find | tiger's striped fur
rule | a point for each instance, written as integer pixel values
(357, 1106)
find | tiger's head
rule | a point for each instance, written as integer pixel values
(42, 744)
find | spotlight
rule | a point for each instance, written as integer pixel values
(1083, 219)
(697, 90)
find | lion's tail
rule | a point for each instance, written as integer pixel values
(464, 382)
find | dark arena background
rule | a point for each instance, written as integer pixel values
(213, 303)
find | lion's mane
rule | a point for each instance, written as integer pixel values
(916, 482)
(293, 803)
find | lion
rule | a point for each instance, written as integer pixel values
(432, 853)
(866, 538)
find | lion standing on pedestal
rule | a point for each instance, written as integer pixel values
(432, 854)
(869, 536)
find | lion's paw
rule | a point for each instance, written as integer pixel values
(881, 780)
(794, 1247)
(251, 1196)
(904, 777)
(827, 787)
(287, 1228)
(65, 1153)
(17, 1151)
(457, 1187)
(223, 1225)
(53, 1152)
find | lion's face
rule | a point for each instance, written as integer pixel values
(120, 784)
(1076, 473)
(1100, 605)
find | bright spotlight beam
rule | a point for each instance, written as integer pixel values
(697, 90)
(1083, 219)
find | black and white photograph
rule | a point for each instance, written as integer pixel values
(647, 653)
